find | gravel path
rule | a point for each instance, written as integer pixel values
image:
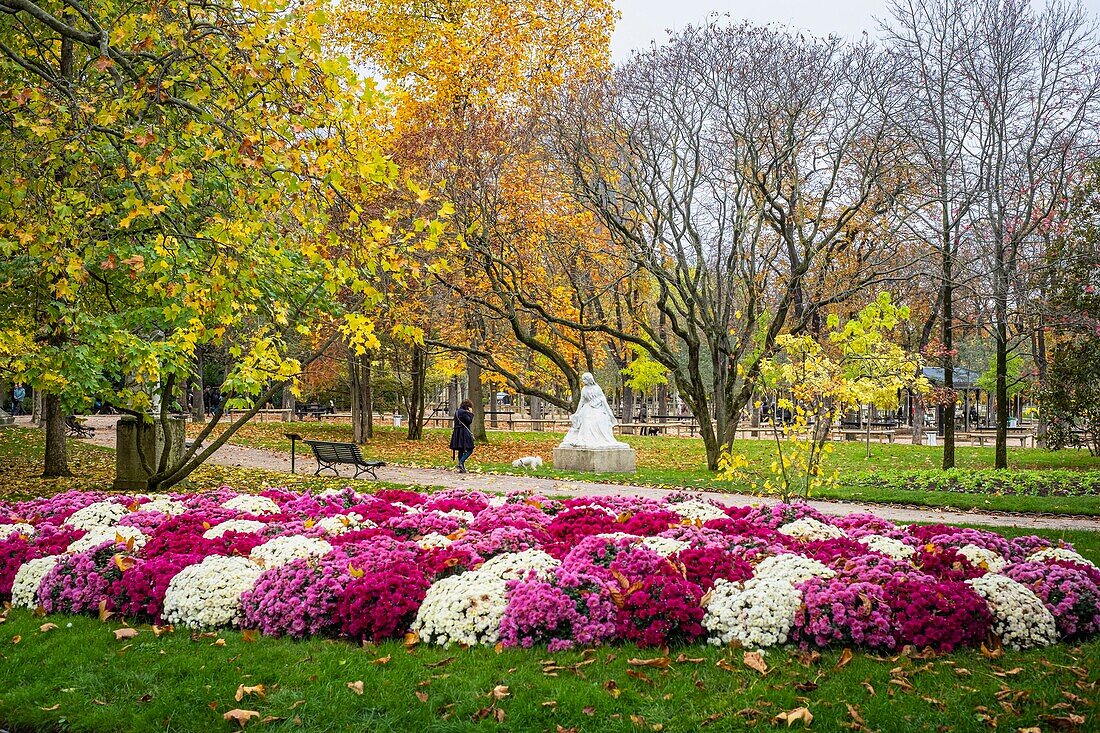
(233, 455)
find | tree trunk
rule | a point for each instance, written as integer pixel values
(57, 458)
(1001, 397)
(36, 409)
(477, 396)
(494, 406)
(359, 380)
(290, 403)
(628, 410)
(948, 366)
(536, 411)
(917, 403)
(452, 396)
(1041, 369)
(418, 371)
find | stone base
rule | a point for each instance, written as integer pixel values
(595, 460)
(129, 473)
(6, 419)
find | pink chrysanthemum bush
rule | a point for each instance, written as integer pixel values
(464, 567)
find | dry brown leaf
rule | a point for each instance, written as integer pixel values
(422, 696)
(241, 716)
(250, 635)
(297, 704)
(588, 710)
(845, 657)
(383, 660)
(658, 662)
(411, 639)
(499, 692)
(243, 690)
(218, 642)
(1064, 722)
(47, 627)
(356, 687)
(270, 719)
(125, 633)
(1008, 672)
(104, 614)
(440, 663)
(793, 716)
(854, 713)
(684, 659)
(51, 708)
(552, 704)
(159, 631)
(725, 664)
(754, 660)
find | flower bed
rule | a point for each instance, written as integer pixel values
(462, 567)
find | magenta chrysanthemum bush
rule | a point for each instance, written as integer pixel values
(464, 567)
(843, 612)
(139, 591)
(1069, 593)
(78, 582)
(942, 615)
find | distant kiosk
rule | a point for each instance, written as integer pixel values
(590, 445)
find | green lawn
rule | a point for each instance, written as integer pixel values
(82, 678)
(680, 462)
(78, 677)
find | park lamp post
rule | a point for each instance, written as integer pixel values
(294, 438)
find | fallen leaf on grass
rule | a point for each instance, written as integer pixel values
(422, 697)
(793, 716)
(297, 704)
(1065, 722)
(711, 719)
(242, 690)
(159, 631)
(588, 710)
(440, 663)
(753, 660)
(47, 627)
(383, 660)
(250, 635)
(411, 639)
(659, 662)
(270, 719)
(845, 657)
(552, 704)
(241, 716)
(356, 687)
(612, 688)
(104, 614)
(51, 708)
(125, 633)
(683, 658)
(16, 639)
(1008, 672)
(499, 692)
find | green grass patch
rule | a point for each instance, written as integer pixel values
(1057, 482)
(80, 677)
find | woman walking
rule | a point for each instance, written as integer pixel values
(462, 437)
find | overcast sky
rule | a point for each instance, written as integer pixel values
(643, 21)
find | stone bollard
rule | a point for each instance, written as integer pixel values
(129, 474)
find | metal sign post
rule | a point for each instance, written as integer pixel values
(294, 438)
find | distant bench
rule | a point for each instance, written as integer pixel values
(329, 454)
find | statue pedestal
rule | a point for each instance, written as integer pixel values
(6, 419)
(595, 460)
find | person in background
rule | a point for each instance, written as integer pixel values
(17, 396)
(462, 436)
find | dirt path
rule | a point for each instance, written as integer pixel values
(233, 455)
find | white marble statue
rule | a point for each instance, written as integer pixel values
(593, 421)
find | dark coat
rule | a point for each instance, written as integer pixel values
(462, 437)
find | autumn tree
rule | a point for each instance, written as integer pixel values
(742, 170)
(173, 174)
(472, 76)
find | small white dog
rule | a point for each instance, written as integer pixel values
(532, 463)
